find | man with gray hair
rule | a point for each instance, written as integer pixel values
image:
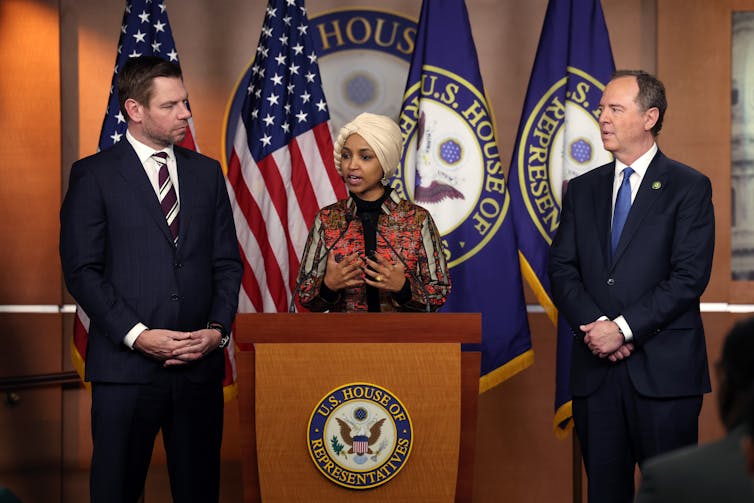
(630, 261)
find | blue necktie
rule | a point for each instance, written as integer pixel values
(622, 206)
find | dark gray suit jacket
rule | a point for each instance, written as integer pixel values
(711, 473)
(121, 266)
(659, 270)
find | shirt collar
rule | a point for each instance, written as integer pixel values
(640, 165)
(144, 152)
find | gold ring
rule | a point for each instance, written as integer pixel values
(379, 278)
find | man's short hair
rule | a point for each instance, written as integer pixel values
(651, 94)
(136, 76)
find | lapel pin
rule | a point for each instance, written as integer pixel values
(656, 185)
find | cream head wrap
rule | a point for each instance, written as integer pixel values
(381, 133)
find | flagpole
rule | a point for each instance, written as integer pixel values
(576, 469)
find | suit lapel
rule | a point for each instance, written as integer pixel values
(603, 208)
(651, 188)
(132, 171)
(187, 187)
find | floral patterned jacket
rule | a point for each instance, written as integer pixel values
(411, 231)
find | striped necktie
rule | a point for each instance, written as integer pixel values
(167, 195)
(622, 207)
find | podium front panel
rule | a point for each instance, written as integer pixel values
(292, 378)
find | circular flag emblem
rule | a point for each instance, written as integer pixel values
(451, 164)
(360, 435)
(550, 154)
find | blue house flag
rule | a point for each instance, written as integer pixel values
(451, 166)
(558, 139)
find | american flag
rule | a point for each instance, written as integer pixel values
(145, 31)
(281, 168)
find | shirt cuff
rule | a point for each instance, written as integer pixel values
(133, 334)
(623, 324)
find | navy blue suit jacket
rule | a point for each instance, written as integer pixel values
(661, 266)
(121, 266)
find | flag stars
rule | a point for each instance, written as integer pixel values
(273, 99)
(312, 57)
(280, 58)
(271, 12)
(134, 54)
(120, 118)
(156, 46)
(172, 55)
(294, 69)
(285, 127)
(305, 97)
(309, 77)
(269, 120)
(287, 20)
(116, 137)
(144, 16)
(159, 26)
(123, 29)
(321, 106)
(302, 29)
(298, 49)
(284, 40)
(301, 116)
(267, 31)
(255, 113)
(277, 79)
(291, 88)
(139, 36)
(266, 140)
(162, 7)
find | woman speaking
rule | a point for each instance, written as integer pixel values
(372, 251)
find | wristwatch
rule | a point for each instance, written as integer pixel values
(224, 335)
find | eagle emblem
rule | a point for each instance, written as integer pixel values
(356, 435)
(360, 435)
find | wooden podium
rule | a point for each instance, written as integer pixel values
(287, 364)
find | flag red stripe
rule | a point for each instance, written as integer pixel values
(255, 220)
(278, 193)
(324, 142)
(250, 284)
(188, 140)
(302, 186)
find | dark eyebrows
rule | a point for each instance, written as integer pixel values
(360, 151)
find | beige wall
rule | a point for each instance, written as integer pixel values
(57, 65)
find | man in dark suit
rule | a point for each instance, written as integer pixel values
(628, 265)
(716, 471)
(748, 442)
(149, 251)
